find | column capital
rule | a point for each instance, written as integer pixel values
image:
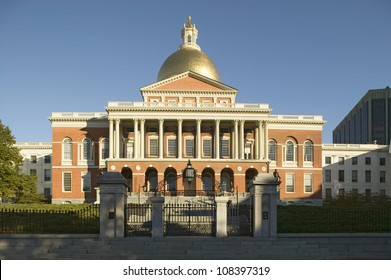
(217, 121)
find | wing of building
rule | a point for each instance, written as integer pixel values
(187, 114)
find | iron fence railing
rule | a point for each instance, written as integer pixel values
(189, 219)
(304, 219)
(84, 220)
(138, 220)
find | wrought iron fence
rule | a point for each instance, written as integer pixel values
(304, 219)
(138, 220)
(85, 220)
(190, 219)
(239, 220)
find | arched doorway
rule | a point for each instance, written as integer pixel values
(227, 180)
(170, 179)
(208, 180)
(128, 175)
(251, 173)
(151, 179)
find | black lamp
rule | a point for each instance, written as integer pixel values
(189, 173)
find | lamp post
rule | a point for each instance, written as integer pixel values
(189, 173)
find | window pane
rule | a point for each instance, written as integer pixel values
(189, 147)
(86, 181)
(289, 151)
(206, 147)
(225, 147)
(272, 150)
(308, 182)
(67, 183)
(67, 149)
(308, 151)
(171, 147)
(328, 175)
(105, 148)
(290, 183)
(153, 147)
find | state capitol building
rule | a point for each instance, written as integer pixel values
(187, 116)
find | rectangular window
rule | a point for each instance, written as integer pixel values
(248, 150)
(47, 175)
(33, 172)
(382, 161)
(206, 147)
(46, 191)
(382, 176)
(382, 192)
(86, 181)
(48, 159)
(354, 160)
(341, 160)
(290, 183)
(171, 147)
(367, 161)
(341, 175)
(354, 176)
(33, 159)
(341, 192)
(354, 191)
(153, 147)
(328, 193)
(367, 176)
(189, 147)
(308, 183)
(67, 181)
(327, 175)
(225, 148)
(327, 160)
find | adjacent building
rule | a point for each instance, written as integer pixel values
(356, 168)
(368, 122)
(37, 161)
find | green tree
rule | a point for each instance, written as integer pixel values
(13, 184)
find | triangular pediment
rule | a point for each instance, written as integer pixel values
(188, 81)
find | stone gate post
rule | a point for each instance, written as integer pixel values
(221, 216)
(157, 215)
(113, 195)
(263, 191)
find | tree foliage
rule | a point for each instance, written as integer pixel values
(13, 183)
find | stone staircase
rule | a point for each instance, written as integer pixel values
(89, 247)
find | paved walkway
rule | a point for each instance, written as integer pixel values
(285, 247)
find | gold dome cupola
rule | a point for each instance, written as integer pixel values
(189, 57)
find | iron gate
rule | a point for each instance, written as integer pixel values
(239, 220)
(138, 220)
(189, 219)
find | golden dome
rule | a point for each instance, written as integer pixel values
(189, 57)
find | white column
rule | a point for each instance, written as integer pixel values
(265, 140)
(198, 138)
(161, 138)
(111, 138)
(179, 138)
(117, 138)
(217, 139)
(142, 138)
(236, 138)
(260, 136)
(256, 143)
(136, 142)
(241, 140)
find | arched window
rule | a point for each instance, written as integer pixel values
(289, 151)
(189, 38)
(67, 149)
(272, 150)
(86, 149)
(308, 151)
(104, 149)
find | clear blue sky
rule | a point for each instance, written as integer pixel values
(302, 57)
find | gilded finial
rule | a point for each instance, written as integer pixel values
(189, 24)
